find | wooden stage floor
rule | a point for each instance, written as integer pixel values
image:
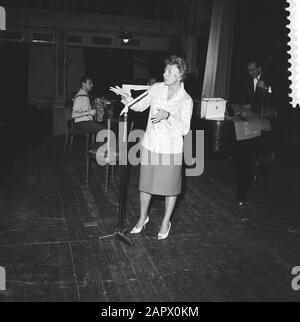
(215, 251)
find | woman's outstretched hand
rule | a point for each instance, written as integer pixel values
(119, 91)
(159, 116)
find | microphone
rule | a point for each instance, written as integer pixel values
(125, 111)
(137, 99)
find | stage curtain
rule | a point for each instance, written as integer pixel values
(219, 53)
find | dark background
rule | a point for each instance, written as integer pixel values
(260, 32)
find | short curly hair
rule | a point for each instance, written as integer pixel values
(85, 78)
(180, 63)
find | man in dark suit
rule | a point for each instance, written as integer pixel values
(246, 152)
(257, 87)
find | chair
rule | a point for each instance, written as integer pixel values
(114, 153)
(71, 132)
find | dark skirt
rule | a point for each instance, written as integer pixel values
(161, 173)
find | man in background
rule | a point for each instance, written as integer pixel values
(255, 90)
(82, 111)
(246, 152)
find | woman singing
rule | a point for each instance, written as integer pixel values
(162, 145)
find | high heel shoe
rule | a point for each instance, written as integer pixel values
(164, 236)
(138, 230)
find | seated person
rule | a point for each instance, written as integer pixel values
(82, 111)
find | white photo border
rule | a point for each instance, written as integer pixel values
(293, 8)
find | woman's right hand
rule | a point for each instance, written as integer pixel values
(119, 91)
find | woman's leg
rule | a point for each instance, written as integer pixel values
(170, 204)
(145, 199)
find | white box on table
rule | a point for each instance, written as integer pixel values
(213, 108)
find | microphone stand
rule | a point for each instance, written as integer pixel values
(120, 232)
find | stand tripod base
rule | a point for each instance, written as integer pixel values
(120, 234)
(122, 237)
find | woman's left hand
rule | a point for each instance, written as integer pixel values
(159, 116)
